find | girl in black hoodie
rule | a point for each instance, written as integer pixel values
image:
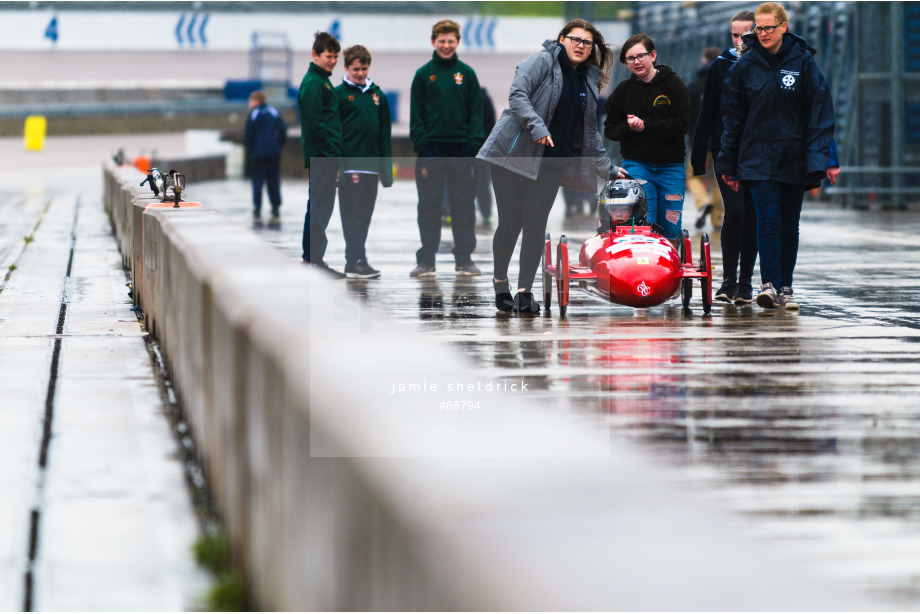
(649, 114)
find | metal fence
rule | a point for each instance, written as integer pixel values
(870, 54)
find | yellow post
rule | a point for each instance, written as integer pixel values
(36, 126)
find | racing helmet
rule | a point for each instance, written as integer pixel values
(623, 201)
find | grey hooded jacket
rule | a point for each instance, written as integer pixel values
(535, 92)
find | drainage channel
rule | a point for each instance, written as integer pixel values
(47, 425)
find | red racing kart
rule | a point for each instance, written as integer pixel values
(628, 263)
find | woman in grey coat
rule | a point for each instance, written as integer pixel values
(547, 138)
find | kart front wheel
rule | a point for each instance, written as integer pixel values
(547, 278)
(562, 274)
(686, 285)
(706, 267)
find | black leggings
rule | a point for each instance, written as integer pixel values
(523, 205)
(739, 233)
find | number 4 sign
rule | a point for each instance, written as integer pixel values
(51, 32)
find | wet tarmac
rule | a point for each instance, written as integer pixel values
(95, 513)
(806, 424)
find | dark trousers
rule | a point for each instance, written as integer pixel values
(439, 165)
(739, 233)
(321, 201)
(779, 206)
(483, 187)
(523, 206)
(357, 196)
(267, 172)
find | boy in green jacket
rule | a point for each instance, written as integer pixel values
(320, 135)
(367, 156)
(445, 124)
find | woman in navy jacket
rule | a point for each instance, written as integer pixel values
(779, 127)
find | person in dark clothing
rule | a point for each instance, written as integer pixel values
(367, 157)
(546, 138)
(649, 114)
(778, 139)
(739, 226)
(446, 128)
(483, 171)
(320, 135)
(705, 192)
(266, 133)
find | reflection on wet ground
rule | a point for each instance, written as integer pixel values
(808, 424)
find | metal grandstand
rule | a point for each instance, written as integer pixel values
(870, 54)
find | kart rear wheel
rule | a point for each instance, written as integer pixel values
(562, 274)
(547, 278)
(706, 267)
(686, 285)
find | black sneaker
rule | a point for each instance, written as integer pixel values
(727, 291)
(744, 294)
(701, 215)
(361, 270)
(325, 268)
(768, 296)
(526, 304)
(503, 299)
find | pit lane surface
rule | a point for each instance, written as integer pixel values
(805, 424)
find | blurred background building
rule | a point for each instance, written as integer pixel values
(870, 54)
(146, 66)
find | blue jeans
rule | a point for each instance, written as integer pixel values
(664, 186)
(323, 174)
(779, 206)
(451, 165)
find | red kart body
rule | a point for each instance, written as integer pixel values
(629, 265)
(633, 267)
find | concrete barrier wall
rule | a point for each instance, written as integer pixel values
(338, 495)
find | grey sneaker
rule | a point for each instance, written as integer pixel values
(785, 299)
(423, 270)
(768, 297)
(467, 268)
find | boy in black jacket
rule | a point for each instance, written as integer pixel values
(367, 157)
(266, 134)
